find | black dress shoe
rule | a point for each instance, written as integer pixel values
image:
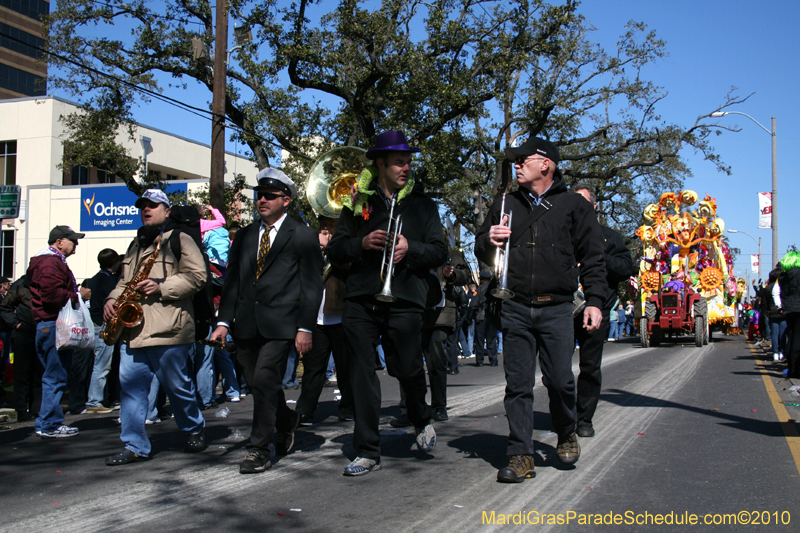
(401, 421)
(440, 415)
(586, 431)
(345, 417)
(453, 372)
(493, 363)
(478, 364)
(196, 442)
(124, 457)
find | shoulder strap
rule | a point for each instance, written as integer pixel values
(538, 210)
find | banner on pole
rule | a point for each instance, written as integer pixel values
(754, 265)
(764, 210)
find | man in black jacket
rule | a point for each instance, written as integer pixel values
(619, 267)
(555, 238)
(270, 299)
(17, 316)
(359, 239)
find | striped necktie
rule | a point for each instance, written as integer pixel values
(263, 250)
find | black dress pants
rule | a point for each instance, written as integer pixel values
(452, 349)
(400, 326)
(264, 364)
(28, 372)
(590, 377)
(793, 344)
(325, 339)
(485, 333)
(545, 332)
(436, 360)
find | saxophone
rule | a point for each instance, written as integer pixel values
(129, 311)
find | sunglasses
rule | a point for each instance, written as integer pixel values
(269, 195)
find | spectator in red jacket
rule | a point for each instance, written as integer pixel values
(52, 286)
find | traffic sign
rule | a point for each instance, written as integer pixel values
(9, 200)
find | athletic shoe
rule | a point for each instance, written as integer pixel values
(98, 409)
(254, 462)
(60, 431)
(568, 449)
(426, 439)
(345, 417)
(586, 431)
(234, 400)
(361, 466)
(520, 467)
(306, 420)
(150, 422)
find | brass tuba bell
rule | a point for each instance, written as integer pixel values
(331, 179)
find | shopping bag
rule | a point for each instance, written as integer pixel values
(74, 328)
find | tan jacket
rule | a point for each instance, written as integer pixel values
(169, 316)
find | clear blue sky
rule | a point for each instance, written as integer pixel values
(713, 45)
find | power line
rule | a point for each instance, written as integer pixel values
(166, 99)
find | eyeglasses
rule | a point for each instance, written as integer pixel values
(269, 195)
(524, 160)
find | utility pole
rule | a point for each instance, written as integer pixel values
(217, 182)
(775, 251)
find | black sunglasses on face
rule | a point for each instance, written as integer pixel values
(269, 195)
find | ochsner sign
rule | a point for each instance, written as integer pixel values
(111, 208)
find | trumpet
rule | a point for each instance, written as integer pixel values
(501, 261)
(387, 266)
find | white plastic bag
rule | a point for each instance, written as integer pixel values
(74, 328)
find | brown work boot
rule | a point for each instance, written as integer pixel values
(519, 467)
(568, 449)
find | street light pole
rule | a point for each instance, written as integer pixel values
(774, 200)
(759, 249)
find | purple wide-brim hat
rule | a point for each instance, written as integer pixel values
(390, 141)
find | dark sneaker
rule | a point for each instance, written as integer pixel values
(568, 449)
(196, 442)
(285, 440)
(361, 466)
(124, 457)
(401, 421)
(345, 417)
(306, 420)
(520, 467)
(453, 371)
(254, 462)
(426, 439)
(441, 415)
(586, 431)
(59, 432)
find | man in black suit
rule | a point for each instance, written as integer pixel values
(359, 240)
(270, 299)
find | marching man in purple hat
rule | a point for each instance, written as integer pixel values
(360, 238)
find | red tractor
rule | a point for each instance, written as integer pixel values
(673, 313)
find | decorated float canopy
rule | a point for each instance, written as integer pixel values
(684, 244)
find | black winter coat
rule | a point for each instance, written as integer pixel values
(545, 255)
(790, 290)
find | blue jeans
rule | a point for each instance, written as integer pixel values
(224, 365)
(465, 339)
(203, 365)
(54, 380)
(620, 329)
(778, 332)
(612, 332)
(331, 366)
(102, 365)
(170, 364)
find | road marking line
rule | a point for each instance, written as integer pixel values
(789, 428)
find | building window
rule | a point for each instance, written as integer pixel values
(21, 81)
(80, 175)
(30, 8)
(103, 176)
(29, 46)
(172, 177)
(8, 163)
(7, 254)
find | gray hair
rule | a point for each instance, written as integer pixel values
(586, 187)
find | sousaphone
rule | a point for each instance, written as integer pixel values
(331, 179)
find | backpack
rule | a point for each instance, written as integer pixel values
(186, 219)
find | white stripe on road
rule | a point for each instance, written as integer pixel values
(132, 506)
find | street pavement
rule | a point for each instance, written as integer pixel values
(681, 431)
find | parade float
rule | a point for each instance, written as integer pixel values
(686, 284)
